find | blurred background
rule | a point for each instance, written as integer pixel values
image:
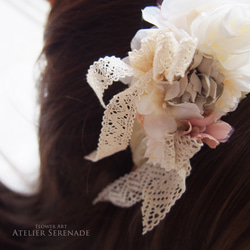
(21, 40)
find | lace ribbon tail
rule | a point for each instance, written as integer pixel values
(117, 124)
(157, 188)
(92, 156)
(104, 72)
(125, 191)
(160, 196)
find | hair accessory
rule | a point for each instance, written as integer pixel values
(183, 75)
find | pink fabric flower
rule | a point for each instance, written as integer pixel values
(209, 130)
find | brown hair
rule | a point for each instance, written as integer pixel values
(213, 212)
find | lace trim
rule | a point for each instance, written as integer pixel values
(118, 119)
(171, 57)
(104, 72)
(117, 124)
(162, 191)
(157, 186)
(162, 51)
(177, 150)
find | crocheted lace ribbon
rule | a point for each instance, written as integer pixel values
(119, 116)
(157, 186)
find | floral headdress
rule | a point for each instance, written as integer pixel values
(183, 75)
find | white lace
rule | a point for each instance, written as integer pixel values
(170, 57)
(117, 124)
(119, 116)
(158, 187)
(104, 72)
(177, 152)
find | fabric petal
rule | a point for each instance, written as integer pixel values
(154, 151)
(139, 36)
(159, 123)
(208, 139)
(145, 106)
(150, 15)
(188, 127)
(219, 130)
(204, 121)
(172, 90)
(185, 111)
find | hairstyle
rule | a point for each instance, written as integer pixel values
(213, 212)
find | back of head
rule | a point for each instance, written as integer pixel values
(212, 214)
(78, 34)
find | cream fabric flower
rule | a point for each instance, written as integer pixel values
(223, 32)
(182, 13)
(167, 52)
(235, 84)
(222, 27)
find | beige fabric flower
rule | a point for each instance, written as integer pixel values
(202, 83)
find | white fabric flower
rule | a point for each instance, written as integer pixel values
(182, 13)
(225, 34)
(160, 116)
(222, 28)
(154, 151)
(234, 85)
(166, 52)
